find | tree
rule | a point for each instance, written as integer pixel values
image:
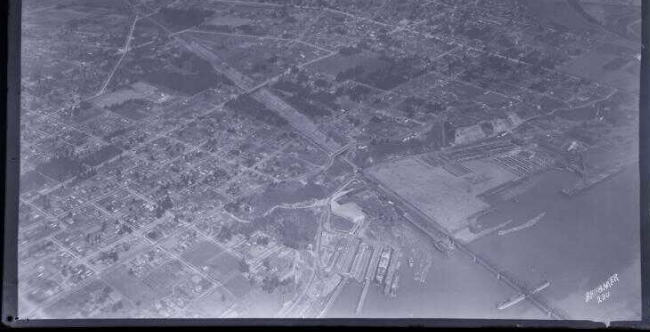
(262, 241)
(225, 234)
(243, 266)
(266, 263)
(159, 211)
(269, 284)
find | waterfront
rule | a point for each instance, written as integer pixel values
(587, 238)
(474, 291)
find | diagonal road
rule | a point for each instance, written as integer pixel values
(124, 50)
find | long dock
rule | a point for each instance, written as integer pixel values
(362, 299)
(499, 273)
(582, 186)
(525, 225)
(370, 275)
(335, 295)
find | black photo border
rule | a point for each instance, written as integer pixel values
(10, 12)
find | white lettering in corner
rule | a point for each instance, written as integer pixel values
(601, 293)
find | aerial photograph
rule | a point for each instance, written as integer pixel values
(330, 159)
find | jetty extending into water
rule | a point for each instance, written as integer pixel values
(525, 225)
(590, 182)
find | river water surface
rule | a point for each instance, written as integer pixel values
(581, 242)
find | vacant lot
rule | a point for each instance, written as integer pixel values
(239, 286)
(212, 305)
(339, 63)
(448, 199)
(202, 253)
(604, 68)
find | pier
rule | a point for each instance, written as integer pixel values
(370, 275)
(440, 233)
(335, 295)
(362, 299)
(585, 185)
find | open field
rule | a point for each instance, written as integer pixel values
(604, 68)
(448, 199)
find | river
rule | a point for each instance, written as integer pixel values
(581, 242)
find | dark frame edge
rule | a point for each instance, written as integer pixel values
(644, 164)
(11, 162)
(8, 240)
(644, 175)
(312, 322)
